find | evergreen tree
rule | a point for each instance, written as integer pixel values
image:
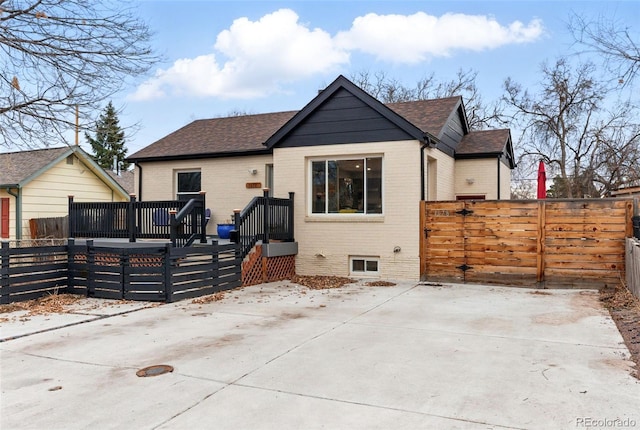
(108, 141)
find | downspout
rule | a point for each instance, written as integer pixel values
(139, 182)
(498, 177)
(428, 142)
(18, 197)
(422, 170)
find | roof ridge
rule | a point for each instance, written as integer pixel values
(246, 116)
(424, 100)
(33, 150)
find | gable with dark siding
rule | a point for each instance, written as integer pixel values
(343, 118)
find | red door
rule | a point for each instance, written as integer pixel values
(4, 218)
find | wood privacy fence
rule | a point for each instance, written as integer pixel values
(133, 272)
(633, 266)
(544, 243)
(49, 228)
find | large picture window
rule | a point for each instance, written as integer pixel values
(188, 183)
(347, 186)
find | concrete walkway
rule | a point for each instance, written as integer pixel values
(280, 356)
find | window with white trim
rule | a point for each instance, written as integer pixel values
(188, 183)
(349, 185)
(364, 266)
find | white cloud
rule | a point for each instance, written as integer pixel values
(260, 57)
(415, 38)
(257, 58)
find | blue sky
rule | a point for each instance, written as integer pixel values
(268, 56)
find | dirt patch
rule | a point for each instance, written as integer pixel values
(624, 309)
(540, 293)
(582, 305)
(322, 282)
(379, 284)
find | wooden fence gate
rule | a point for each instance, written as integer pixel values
(543, 243)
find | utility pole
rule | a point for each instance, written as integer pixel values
(77, 125)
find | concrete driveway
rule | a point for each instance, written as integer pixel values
(281, 356)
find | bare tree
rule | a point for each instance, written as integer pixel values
(523, 187)
(617, 161)
(389, 90)
(612, 41)
(566, 124)
(60, 54)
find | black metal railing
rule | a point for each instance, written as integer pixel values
(189, 224)
(181, 221)
(265, 218)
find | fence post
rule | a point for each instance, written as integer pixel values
(203, 220)
(540, 251)
(125, 262)
(237, 260)
(91, 268)
(173, 228)
(291, 231)
(4, 273)
(131, 217)
(166, 266)
(265, 216)
(70, 260)
(72, 218)
(234, 235)
(215, 262)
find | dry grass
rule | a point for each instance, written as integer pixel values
(208, 299)
(624, 309)
(322, 282)
(49, 304)
(619, 297)
(379, 284)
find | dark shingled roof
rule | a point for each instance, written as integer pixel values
(125, 179)
(428, 115)
(483, 142)
(15, 167)
(241, 134)
(238, 134)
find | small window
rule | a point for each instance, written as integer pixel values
(70, 159)
(268, 178)
(188, 183)
(364, 266)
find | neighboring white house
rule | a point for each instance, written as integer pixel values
(37, 183)
(358, 168)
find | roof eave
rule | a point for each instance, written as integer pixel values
(246, 153)
(492, 154)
